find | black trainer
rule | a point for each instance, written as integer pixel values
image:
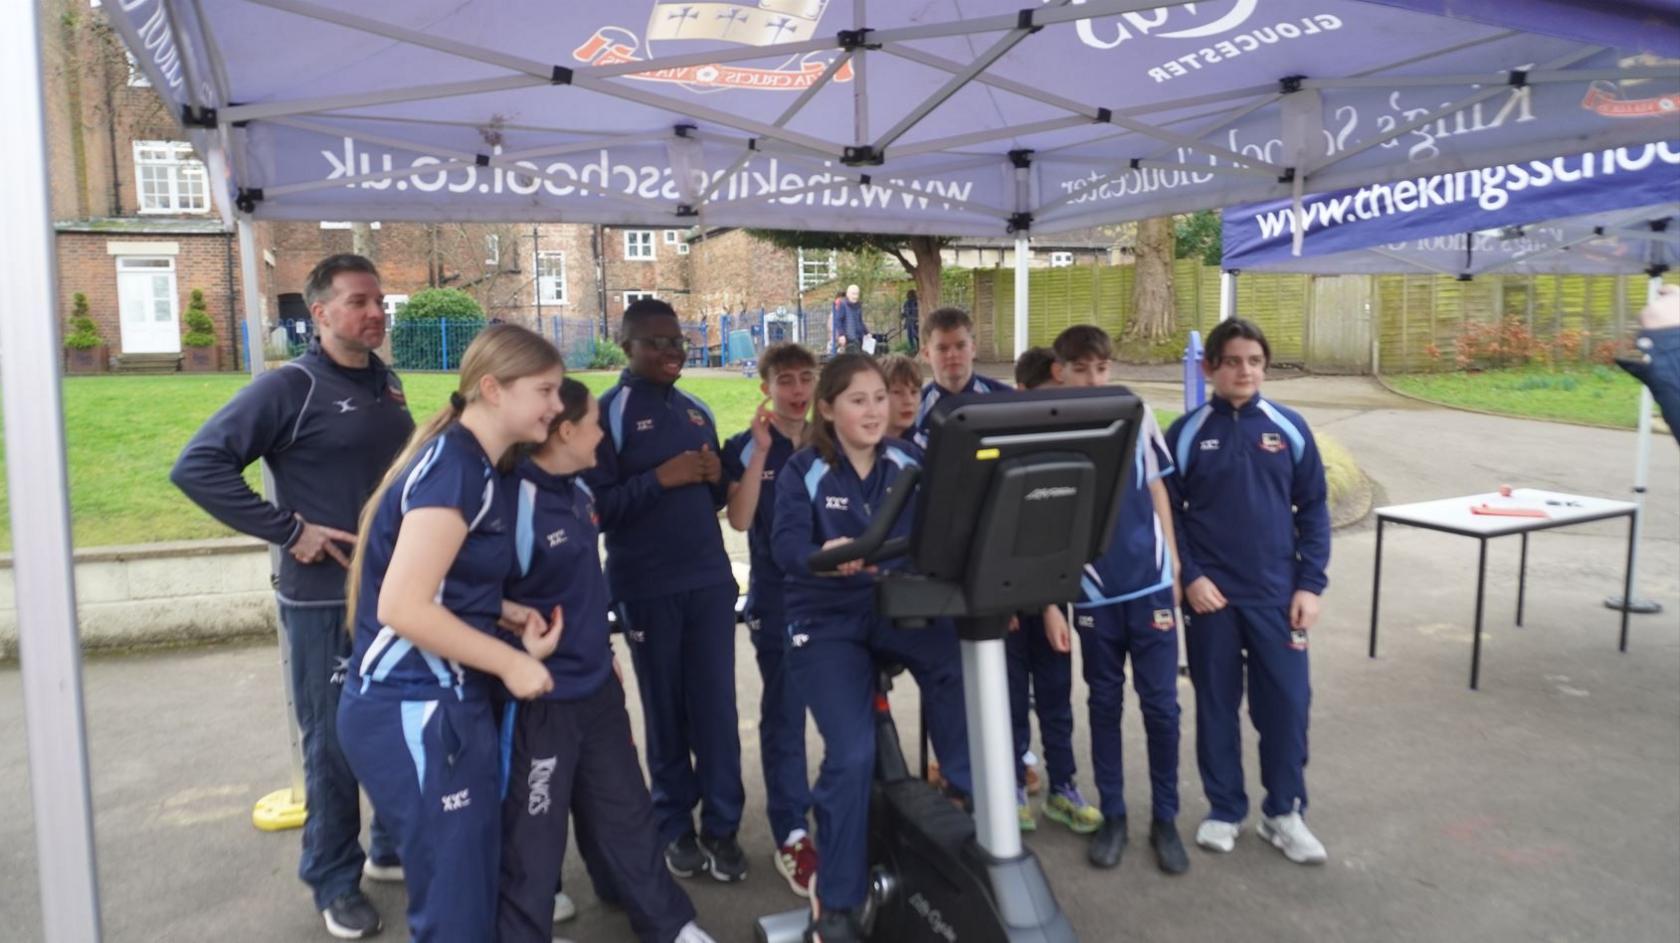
(351, 917)
(684, 857)
(1169, 850)
(834, 926)
(724, 857)
(1108, 843)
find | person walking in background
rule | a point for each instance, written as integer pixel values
(1658, 363)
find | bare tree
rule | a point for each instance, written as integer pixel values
(1154, 306)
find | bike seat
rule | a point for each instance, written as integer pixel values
(885, 671)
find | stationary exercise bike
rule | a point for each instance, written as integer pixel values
(1018, 494)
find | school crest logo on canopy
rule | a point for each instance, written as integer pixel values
(682, 27)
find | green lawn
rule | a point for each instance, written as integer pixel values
(1601, 395)
(124, 433)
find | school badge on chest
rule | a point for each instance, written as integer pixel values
(697, 417)
(1271, 441)
(1163, 620)
(395, 394)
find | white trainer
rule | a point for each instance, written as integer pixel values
(1289, 833)
(1215, 835)
(564, 907)
(691, 933)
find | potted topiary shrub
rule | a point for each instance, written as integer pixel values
(85, 349)
(199, 342)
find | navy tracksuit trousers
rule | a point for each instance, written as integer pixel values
(1222, 646)
(683, 646)
(833, 663)
(577, 758)
(1144, 630)
(1041, 681)
(430, 768)
(781, 730)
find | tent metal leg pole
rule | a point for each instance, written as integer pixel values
(1631, 602)
(1227, 295)
(283, 808)
(1022, 253)
(49, 643)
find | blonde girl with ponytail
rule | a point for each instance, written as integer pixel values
(433, 637)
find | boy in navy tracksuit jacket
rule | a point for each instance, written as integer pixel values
(659, 484)
(328, 425)
(825, 495)
(1126, 611)
(751, 461)
(571, 751)
(1041, 681)
(1254, 541)
(950, 351)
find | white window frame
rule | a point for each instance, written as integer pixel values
(636, 240)
(136, 75)
(392, 303)
(631, 297)
(343, 224)
(1061, 259)
(546, 282)
(492, 249)
(682, 248)
(672, 236)
(181, 168)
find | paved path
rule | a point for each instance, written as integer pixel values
(1544, 807)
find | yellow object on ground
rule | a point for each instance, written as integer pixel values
(279, 810)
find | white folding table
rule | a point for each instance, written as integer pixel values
(1454, 516)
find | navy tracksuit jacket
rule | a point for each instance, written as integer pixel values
(669, 574)
(329, 433)
(571, 751)
(781, 710)
(835, 642)
(932, 393)
(418, 729)
(1658, 367)
(1126, 612)
(1253, 517)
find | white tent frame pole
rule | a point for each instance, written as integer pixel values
(255, 354)
(1023, 250)
(1641, 482)
(1227, 294)
(941, 145)
(1445, 110)
(49, 643)
(1536, 77)
(855, 178)
(956, 83)
(860, 79)
(395, 96)
(1414, 263)
(1227, 119)
(745, 157)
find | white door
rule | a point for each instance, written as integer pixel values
(147, 299)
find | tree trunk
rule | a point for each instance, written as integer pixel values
(1153, 304)
(930, 265)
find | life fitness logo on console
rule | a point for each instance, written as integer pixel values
(681, 27)
(1201, 21)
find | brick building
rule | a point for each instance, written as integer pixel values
(136, 233)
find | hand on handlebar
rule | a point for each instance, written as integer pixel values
(850, 567)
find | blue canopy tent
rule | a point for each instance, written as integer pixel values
(1623, 220)
(979, 118)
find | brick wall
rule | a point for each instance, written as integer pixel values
(202, 261)
(667, 274)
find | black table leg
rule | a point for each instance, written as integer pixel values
(1522, 578)
(1476, 646)
(1376, 588)
(1627, 576)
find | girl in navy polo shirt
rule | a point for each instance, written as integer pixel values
(570, 751)
(825, 496)
(425, 597)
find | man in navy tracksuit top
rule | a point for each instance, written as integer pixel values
(950, 351)
(570, 751)
(751, 461)
(659, 484)
(328, 424)
(1254, 542)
